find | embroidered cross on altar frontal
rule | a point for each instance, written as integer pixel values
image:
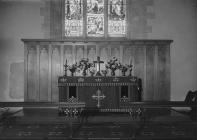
(98, 96)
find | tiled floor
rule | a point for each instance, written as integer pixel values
(44, 123)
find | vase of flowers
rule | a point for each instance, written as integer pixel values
(73, 68)
(84, 65)
(92, 71)
(113, 65)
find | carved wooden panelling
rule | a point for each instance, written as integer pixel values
(31, 72)
(91, 52)
(69, 57)
(139, 63)
(127, 56)
(44, 62)
(79, 52)
(150, 73)
(163, 73)
(45, 59)
(55, 72)
(104, 56)
(115, 52)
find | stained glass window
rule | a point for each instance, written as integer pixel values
(73, 17)
(116, 17)
(95, 17)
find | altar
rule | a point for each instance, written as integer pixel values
(99, 91)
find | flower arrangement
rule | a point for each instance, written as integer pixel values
(84, 65)
(73, 68)
(113, 65)
(92, 71)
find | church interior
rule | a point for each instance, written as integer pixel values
(98, 69)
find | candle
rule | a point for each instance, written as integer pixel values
(97, 66)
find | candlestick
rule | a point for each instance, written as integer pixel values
(130, 61)
(65, 68)
(130, 67)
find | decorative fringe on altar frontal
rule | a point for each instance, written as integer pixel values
(117, 110)
(96, 84)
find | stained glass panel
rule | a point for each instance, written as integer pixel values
(73, 18)
(95, 17)
(116, 17)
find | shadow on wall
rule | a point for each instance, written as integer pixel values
(16, 81)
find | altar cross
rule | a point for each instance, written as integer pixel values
(98, 97)
(98, 62)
